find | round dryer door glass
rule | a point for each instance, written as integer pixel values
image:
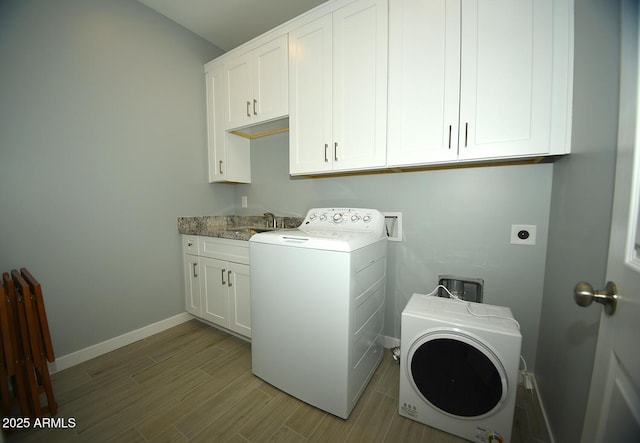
(457, 374)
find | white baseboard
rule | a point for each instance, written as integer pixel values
(390, 342)
(544, 412)
(75, 358)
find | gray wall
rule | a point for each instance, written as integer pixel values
(102, 146)
(455, 222)
(580, 218)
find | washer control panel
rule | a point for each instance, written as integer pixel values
(346, 219)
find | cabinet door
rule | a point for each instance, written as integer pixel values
(506, 82)
(214, 291)
(192, 285)
(215, 117)
(257, 85)
(270, 80)
(229, 154)
(360, 85)
(239, 299)
(424, 81)
(237, 79)
(310, 106)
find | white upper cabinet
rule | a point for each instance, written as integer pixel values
(506, 80)
(229, 159)
(338, 90)
(479, 79)
(257, 85)
(424, 81)
(311, 107)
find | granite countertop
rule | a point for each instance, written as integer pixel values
(236, 227)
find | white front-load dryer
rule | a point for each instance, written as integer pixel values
(459, 367)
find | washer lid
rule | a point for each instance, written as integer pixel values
(329, 240)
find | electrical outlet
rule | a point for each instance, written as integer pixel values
(523, 235)
(244, 201)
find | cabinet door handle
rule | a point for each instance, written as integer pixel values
(326, 159)
(466, 133)
(229, 279)
(220, 166)
(449, 136)
(223, 271)
(195, 270)
(335, 151)
(248, 112)
(255, 102)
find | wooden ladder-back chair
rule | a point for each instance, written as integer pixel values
(41, 339)
(36, 295)
(7, 363)
(12, 344)
(32, 335)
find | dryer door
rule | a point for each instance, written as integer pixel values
(457, 374)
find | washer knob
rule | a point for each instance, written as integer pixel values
(366, 218)
(355, 218)
(337, 217)
(312, 216)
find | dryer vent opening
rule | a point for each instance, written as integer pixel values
(456, 377)
(465, 288)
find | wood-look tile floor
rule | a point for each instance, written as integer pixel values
(194, 383)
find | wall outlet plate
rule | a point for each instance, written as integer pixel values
(523, 235)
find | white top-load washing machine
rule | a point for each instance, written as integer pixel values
(459, 367)
(317, 306)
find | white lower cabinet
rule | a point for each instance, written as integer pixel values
(217, 282)
(225, 290)
(191, 275)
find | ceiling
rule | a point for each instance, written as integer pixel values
(229, 23)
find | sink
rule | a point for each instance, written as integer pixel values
(256, 230)
(250, 230)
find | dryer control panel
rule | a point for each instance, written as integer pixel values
(345, 219)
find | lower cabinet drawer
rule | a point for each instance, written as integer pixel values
(224, 249)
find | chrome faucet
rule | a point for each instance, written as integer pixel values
(271, 219)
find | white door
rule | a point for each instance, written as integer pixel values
(192, 285)
(228, 153)
(360, 85)
(506, 80)
(424, 81)
(239, 282)
(270, 80)
(310, 106)
(214, 291)
(613, 409)
(237, 79)
(215, 118)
